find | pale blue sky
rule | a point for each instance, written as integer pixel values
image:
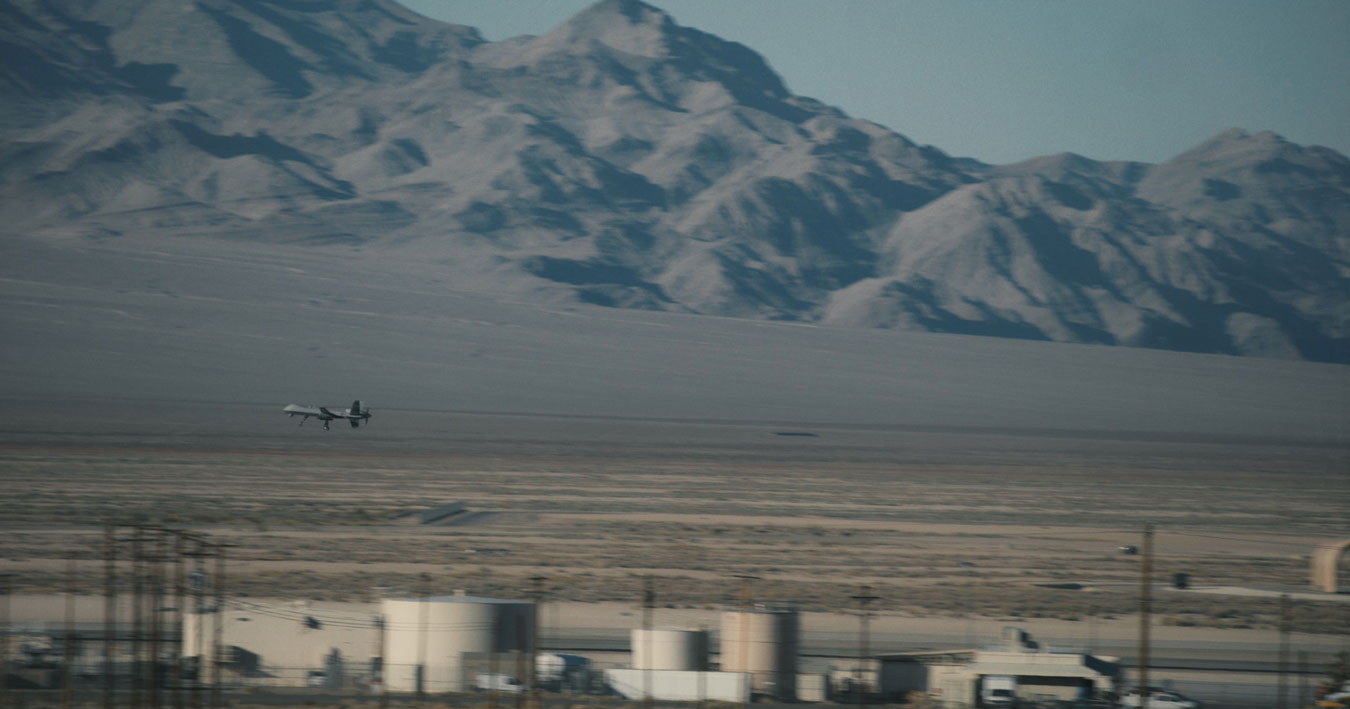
(1005, 80)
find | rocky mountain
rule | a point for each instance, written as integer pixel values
(624, 160)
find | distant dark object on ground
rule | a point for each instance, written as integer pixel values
(1128, 549)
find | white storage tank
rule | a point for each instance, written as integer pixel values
(763, 641)
(425, 638)
(670, 649)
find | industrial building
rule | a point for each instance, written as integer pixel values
(459, 643)
(956, 677)
(671, 664)
(410, 645)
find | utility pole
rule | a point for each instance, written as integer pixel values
(156, 593)
(703, 667)
(743, 629)
(136, 607)
(179, 581)
(198, 554)
(1282, 696)
(648, 601)
(492, 659)
(521, 657)
(383, 674)
(4, 641)
(1302, 678)
(109, 615)
(218, 634)
(863, 598)
(1145, 609)
(68, 667)
(1092, 630)
(425, 589)
(536, 590)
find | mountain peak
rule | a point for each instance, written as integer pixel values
(1241, 135)
(1237, 141)
(635, 10)
(630, 26)
(1238, 135)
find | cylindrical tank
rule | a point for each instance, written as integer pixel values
(670, 649)
(425, 638)
(762, 641)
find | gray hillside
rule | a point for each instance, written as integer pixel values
(624, 160)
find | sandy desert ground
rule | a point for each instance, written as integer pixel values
(958, 531)
(937, 522)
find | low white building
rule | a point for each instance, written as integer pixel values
(954, 677)
(680, 685)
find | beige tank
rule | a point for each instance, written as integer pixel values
(425, 639)
(670, 649)
(763, 641)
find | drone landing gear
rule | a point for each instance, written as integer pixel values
(325, 425)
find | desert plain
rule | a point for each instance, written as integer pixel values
(969, 483)
(958, 532)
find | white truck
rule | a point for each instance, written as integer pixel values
(497, 683)
(998, 691)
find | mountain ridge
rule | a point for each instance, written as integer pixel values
(624, 160)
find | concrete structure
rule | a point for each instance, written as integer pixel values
(669, 649)
(279, 644)
(954, 677)
(813, 688)
(1325, 562)
(763, 641)
(425, 639)
(679, 686)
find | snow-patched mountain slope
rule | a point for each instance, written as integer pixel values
(624, 160)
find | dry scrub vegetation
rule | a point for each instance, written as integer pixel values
(980, 533)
